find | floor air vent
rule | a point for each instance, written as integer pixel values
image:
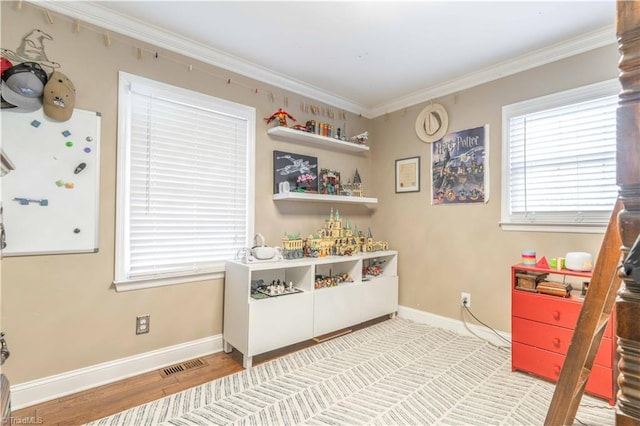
(184, 366)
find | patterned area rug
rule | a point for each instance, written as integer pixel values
(393, 373)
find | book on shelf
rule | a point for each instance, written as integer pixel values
(555, 289)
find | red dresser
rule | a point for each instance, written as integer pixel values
(541, 329)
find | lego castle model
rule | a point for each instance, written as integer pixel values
(336, 238)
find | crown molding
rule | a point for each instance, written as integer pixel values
(108, 19)
(105, 18)
(589, 41)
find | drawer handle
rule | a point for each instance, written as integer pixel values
(556, 315)
(556, 369)
(556, 342)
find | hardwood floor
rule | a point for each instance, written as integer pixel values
(93, 404)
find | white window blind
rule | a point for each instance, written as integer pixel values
(561, 158)
(186, 191)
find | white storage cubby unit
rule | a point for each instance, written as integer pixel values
(257, 325)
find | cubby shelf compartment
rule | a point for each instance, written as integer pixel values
(298, 136)
(321, 198)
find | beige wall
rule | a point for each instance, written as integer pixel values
(61, 312)
(445, 250)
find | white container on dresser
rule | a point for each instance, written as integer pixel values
(258, 325)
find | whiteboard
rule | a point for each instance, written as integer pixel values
(50, 200)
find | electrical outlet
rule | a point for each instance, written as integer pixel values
(142, 324)
(465, 297)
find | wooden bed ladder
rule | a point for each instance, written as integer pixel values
(622, 234)
(592, 322)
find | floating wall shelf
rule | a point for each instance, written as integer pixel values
(298, 136)
(303, 196)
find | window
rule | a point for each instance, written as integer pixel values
(185, 193)
(559, 160)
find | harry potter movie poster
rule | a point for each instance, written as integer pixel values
(459, 164)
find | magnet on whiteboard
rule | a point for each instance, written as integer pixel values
(66, 133)
(35, 123)
(69, 144)
(80, 167)
(76, 231)
(60, 182)
(68, 185)
(89, 139)
(25, 201)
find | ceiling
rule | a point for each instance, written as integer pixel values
(367, 57)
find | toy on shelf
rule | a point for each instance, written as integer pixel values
(305, 179)
(321, 129)
(542, 263)
(281, 115)
(329, 182)
(261, 290)
(360, 139)
(331, 280)
(371, 269)
(353, 189)
(292, 246)
(336, 238)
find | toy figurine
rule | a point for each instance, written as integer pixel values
(360, 139)
(281, 115)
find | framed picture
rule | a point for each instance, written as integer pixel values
(408, 175)
(296, 172)
(329, 183)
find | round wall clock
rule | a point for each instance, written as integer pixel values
(432, 123)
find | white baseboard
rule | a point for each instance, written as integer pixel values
(48, 388)
(453, 324)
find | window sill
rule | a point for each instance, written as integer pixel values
(550, 227)
(130, 285)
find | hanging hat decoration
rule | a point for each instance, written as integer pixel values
(432, 123)
(22, 86)
(32, 49)
(59, 97)
(5, 64)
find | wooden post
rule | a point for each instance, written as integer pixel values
(628, 178)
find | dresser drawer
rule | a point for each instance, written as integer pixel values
(555, 339)
(559, 311)
(548, 365)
